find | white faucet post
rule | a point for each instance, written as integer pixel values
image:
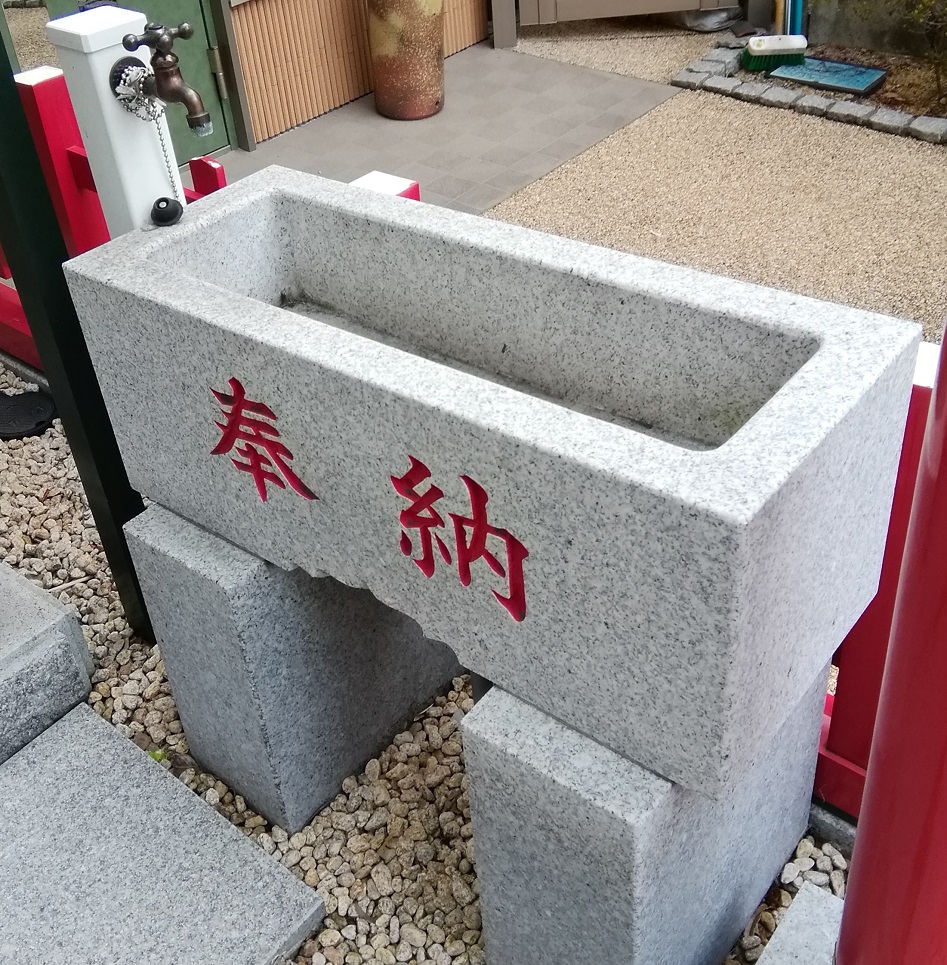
(125, 153)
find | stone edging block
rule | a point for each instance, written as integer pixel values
(706, 74)
(850, 112)
(690, 79)
(721, 85)
(45, 664)
(813, 104)
(751, 90)
(713, 67)
(932, 129)
(890, 121)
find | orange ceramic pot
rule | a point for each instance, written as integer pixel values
(406, 38)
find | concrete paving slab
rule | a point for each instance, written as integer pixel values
(106, 858)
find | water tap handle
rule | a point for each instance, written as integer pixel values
(158, 37)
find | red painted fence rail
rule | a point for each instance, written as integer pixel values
(62, 157)
(850, 715)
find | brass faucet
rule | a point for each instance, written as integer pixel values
(167, 83)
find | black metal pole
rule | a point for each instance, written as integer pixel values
(35, 250)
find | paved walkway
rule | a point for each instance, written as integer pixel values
(508, 119)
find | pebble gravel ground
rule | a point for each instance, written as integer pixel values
(801, 203)
(28, 32)
(393, 853)
(643, 47)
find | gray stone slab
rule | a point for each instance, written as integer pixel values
(684, 458)
(932, 129)
(713, 67)
(890, 121)
(814, 104)
(44, 661)
(809, 931)
(752, 91)
(285, 683)
(722, 85)
(689, 79)
(778, 96)
(567, 833)
(727, 56)
(851, 112)
(106, 858)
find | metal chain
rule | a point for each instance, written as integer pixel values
(147, 109)
(167, 162)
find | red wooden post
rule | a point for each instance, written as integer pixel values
(897, 889)
(55, 130)
(15, 336)
(207, 176)
(846, 741)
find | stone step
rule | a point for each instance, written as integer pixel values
(107, 858)
(44, 661)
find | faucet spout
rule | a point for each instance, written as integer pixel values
(169, 85)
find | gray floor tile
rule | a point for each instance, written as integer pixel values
(537, 165)
(507, 153)
(508, 119)
(477, 169)
(535, 138)
(512, 180)
(460, 206)
(566, 148)
(483, 197)
(450, 186)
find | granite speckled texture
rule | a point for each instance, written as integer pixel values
(809, 932)
(568, 833)
(285, 684)
(44, 661)
(106, 858)
(700, 469)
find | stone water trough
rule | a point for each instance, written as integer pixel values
(649, 501)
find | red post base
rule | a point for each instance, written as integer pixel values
(896, 906)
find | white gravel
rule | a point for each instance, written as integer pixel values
(393, 853)
(795, 202)
(642, 47)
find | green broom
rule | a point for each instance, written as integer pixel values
(765, 53)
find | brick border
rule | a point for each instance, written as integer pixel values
(715, 70)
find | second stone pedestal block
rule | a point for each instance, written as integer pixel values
(587, 858)
(285, 684)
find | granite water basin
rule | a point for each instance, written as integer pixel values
(647, 500)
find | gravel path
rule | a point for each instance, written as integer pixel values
(795, 202)
(393, 854)
(637, 46)
(28, 30)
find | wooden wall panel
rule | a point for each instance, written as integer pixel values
(302, 58)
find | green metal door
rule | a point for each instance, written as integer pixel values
(196, 60)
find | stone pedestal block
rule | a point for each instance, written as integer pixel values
(285, 684)
(608, 482)
(44, 661)
(587, 858)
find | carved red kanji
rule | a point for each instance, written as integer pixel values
(475, 548)
(256, 441)
(420, 515)
(470, 534)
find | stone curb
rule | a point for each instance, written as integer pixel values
(705, 74)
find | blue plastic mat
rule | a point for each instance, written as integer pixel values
(833, 75)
